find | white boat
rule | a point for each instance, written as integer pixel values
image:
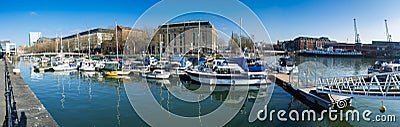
(378, 67)
(223, 73)
(392, 67)
(64, 67)
(179, 69)
(157, 74)
(124, 72)
(286, 65)
(87, 66)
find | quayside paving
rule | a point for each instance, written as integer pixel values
(27, 110)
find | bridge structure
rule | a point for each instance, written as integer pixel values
(49, 54)
(380, 86)
(274, 51)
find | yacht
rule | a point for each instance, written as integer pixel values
(255, 65)
(65, 67)
(393, 67)
(110, 68)
(220, 72)
(63, 64)
(113, 68)
(286, 65)
(156, 74)
(378, 67)
(87, 66)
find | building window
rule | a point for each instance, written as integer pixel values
(169, 38)
(203, 38)
(194, 38)
(181, 50)
(174, 39)
(180, 39)
(163, 38)
(175, 50)
(184, 41)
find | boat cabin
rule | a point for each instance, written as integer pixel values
(111, 66)
(286, 61)
(227, 70)
(392, 68)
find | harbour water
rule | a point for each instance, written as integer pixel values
(87, 99)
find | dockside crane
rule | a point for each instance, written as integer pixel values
(388, 36)
(356, 35)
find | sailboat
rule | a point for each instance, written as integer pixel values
(87, 65)
(121, 70)
(220, 71)
(157, 72)
(114, 68)
(62, 63)
(110, 69)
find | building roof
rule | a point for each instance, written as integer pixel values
(186, 23)
(97, 30)
(385, 43)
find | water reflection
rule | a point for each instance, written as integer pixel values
(340, 66)
(94, 100)
(118, 103)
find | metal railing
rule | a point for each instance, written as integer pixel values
(8, 93)
(384, 85)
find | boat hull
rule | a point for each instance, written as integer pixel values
(155, 76)
(226, 79)
(87, 69)
(123, 72)
(111, 73)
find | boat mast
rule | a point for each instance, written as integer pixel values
(62, 47)
(89, 42)
(116, 35)
(161, 42)
(191, 45)
(240, 35)
(56, 43)
(167, 44)
(69, 55)
(79, 45)
(68, 46)
(198, 44)
(388, 36)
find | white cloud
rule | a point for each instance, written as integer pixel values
(32, 13)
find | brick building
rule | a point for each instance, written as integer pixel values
(101, 40)
(180, 37)
(304, 43)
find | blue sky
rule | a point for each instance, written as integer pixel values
(284, 19)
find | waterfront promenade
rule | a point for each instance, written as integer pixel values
(27, 110)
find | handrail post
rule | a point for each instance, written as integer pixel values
(7, 94)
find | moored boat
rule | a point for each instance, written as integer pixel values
(157, 74)
(378, 67)
(286, 65)
(65, 67)
(220, 72)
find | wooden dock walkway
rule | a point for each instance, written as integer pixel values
(310, 95)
